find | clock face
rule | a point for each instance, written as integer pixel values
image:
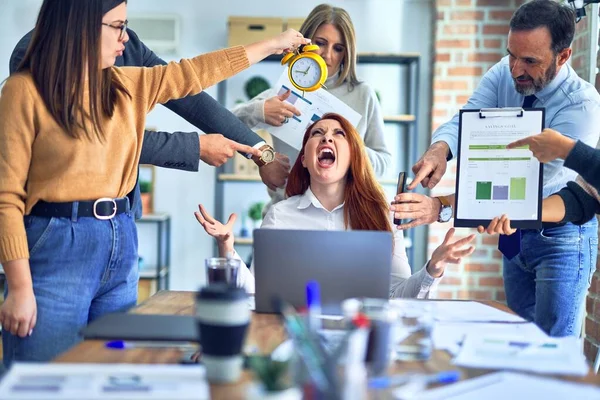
(306, 72)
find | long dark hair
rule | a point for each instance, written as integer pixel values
(365, 205)
(64, 48)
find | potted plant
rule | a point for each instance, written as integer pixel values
(146, 197)
(255, 213)
(274, 379)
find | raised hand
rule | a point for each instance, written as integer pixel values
(449, 253)
(223, 234)
(275, 174)
(431, 166)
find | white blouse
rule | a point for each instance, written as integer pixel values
(306, 212)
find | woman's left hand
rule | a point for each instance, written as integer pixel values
(222, 233)
(449, 253)
(288, 41)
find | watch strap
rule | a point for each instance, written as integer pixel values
(259, 161)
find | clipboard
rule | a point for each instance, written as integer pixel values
(491, 190)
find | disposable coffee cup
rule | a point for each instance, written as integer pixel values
(222, 315)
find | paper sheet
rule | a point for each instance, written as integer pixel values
(456, 311)
(312, 106)
(33, 381)
(547, 356)
(450, 335)
(513, 386)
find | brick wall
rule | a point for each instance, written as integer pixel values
(470, 37)
(581, 49)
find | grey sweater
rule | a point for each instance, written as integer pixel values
(581, 198)
(362, 99)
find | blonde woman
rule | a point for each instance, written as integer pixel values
(332, 30)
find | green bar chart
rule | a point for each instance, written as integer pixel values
(483, 191)
(517, 188)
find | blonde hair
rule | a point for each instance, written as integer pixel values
(338, 17)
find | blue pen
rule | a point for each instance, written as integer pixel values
(313, 304)
(122, 345)
(384, 382)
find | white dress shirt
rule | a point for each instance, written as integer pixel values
(306, 212)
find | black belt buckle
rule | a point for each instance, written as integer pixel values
(105, 217)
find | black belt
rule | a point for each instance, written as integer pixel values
(104, 208)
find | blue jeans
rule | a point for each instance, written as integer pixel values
(547, 282)
(82, 268)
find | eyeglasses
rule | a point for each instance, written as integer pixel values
(121, 27)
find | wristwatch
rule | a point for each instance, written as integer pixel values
(446, 211)
(267, 156)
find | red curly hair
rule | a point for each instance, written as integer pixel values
(365, 205)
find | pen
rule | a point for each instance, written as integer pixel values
(384, 382)
(122, 344)
(313, 304)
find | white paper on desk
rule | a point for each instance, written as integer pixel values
(29, 381)
(311, 106)
(513, 386)
(547, 356)
(458, 311)
(450, 335)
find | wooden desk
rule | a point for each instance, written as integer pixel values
(265, 332)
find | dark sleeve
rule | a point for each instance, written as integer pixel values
(178, 151)
(580, 206)
(201, 110)
(585, 160)
(19, 52)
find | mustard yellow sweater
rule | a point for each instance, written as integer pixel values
(39, 161)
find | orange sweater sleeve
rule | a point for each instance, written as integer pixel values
(158, 85)
(17, 133)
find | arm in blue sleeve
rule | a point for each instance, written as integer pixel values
(200, 110)
(485, 96)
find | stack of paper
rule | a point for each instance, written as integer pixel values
(449, 336)
(550, 355)
(456, 311)
(29, 381)
(509, 385)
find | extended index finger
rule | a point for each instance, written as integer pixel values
(245, 149)
(519, 143)
(425, 170)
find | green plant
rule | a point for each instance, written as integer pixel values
(272, 374)
(255, 86)
(145, 187)
(255, 211)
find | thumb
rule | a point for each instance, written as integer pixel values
(285, 95)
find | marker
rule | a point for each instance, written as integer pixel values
(313, 304)
(384, 382)
(124, 345)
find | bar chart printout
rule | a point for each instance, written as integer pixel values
(491, 179)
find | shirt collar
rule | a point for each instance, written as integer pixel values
(547, 92)
(309, 198)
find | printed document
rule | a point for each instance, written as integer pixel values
(492, 180)
(312, 105)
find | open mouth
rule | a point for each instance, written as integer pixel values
(326, 157)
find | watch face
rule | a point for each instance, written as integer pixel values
(445, 214)
(268, 156)
(306, 72)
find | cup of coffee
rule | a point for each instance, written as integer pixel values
(222, 270)
(222, 315)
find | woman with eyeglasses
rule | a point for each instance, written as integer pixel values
(71, 129)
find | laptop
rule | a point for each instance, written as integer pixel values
(345, 263)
